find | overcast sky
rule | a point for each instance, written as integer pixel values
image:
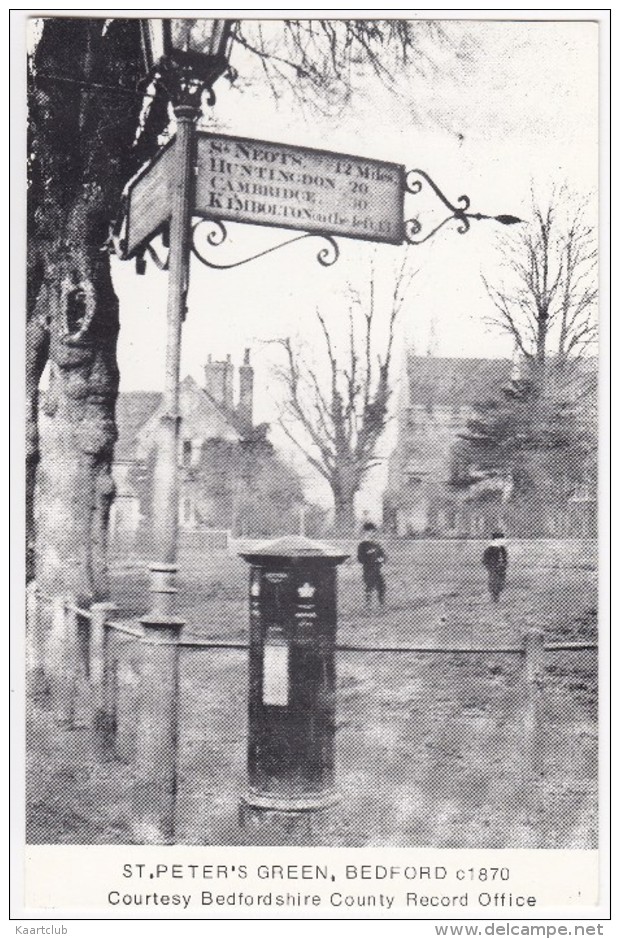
(518, 106)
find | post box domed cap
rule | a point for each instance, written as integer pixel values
(294, 546)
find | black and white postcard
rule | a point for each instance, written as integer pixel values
(315, 353)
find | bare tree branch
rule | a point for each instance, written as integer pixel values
(318, 59)
(318, 466)
(547, 299)
(338, 423)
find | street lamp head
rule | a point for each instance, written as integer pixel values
(193, 49)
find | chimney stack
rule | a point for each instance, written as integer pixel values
(229, 374)
(246, 391)
(219, 382)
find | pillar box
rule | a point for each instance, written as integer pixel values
(292, 694)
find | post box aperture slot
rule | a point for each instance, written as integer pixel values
(276, 664)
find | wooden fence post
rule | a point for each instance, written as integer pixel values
(102, 680)
(129, 683)
(55, 641)
(32, 658)
(36, 637)
(534, 641)
(154, 794)
(62, 653)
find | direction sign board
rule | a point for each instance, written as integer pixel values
(262, 183)
(148, 200)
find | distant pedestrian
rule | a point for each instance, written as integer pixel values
(372, 557)
(495, 559)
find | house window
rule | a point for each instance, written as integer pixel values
(196, 451)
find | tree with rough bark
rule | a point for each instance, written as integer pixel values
(547, 300)
(336, 413)
(85, 102)
(93, 121)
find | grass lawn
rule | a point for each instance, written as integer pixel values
(430, 746)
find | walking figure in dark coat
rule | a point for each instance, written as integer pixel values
(495, 559)
(372, 557)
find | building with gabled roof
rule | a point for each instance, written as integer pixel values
(229, 472)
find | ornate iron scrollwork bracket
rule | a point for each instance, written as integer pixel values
(326, 256)
(217, 234)
(160, 262)
(458, 213)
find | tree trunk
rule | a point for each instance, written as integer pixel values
(37, 348)
(75, 481)
(85, 104)
(344, 513)
(541, 352)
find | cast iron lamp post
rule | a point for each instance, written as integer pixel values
(185, 57)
